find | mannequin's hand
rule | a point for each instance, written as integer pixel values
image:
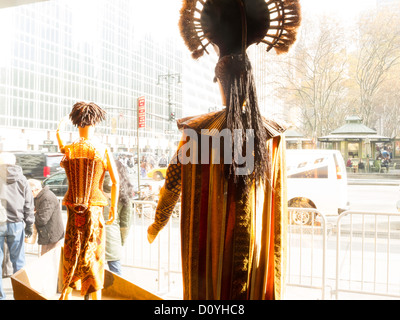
(151, 234)
(111, 216)
(62, 123)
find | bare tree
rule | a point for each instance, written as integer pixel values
(313, 79)
(387, 110)
(335, 71)
(378, 54)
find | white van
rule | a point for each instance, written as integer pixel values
(317, 179)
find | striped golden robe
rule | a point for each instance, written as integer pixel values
(233, 243)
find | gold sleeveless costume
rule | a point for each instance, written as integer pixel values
(84, 245)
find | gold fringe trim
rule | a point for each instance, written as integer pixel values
(285, 19)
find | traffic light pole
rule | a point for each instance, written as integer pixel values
(138, 158)
(169, 77)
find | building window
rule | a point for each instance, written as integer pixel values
(353, 150)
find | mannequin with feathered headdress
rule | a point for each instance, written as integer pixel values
(232, 224)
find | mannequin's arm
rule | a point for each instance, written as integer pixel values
(112, 169)
(61, 127)
(169, 196)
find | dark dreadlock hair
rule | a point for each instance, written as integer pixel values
(86, 114)
(232, 26)
(234, 72)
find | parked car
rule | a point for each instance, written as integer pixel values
(58, 183)
(317, 179)
(38, 165)
(157, 173)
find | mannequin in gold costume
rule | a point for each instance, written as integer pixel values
(233, 224)
(85, 162)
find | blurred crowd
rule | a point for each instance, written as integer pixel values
(147, 162)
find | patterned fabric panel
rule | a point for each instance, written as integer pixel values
(233, 243)
(217, 120)
(84, 247)
(213, 120)
(169, 195)
(166, 204)
(85, 170)
(173, 175)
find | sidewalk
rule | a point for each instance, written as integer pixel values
(291, 292)
(7, 286)
(391, 178)
(142, 278)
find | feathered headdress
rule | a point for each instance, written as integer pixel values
(232, 26)
(205, 22)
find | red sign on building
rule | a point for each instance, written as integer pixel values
(142, 112)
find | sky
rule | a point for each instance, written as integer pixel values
(162, 16)
(345, 9)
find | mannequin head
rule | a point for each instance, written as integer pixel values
(231, 26)
(234, 25)
(223, 25)
(36, 186)
(86, 114)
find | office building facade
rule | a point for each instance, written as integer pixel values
(56, 53)
(112, 52)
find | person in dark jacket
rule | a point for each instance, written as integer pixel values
(118, 231)
(48, 219)
(16, 205)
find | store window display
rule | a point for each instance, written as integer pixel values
(85, 162)
(234, 217)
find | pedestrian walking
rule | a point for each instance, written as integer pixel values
(48, 218)
(16, 212)
(163, 162)
(7, 269)
(117, 232)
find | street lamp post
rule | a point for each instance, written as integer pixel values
(169, 78)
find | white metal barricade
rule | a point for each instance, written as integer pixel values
(159, 262)
(368, 254)
(363, 256)
(307, 243)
